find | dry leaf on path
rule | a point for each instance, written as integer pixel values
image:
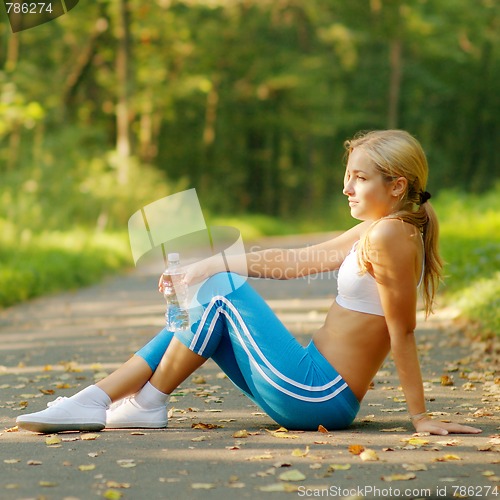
(89, 437)
(241, 434)
(356, 449)
(112, 494)
(126, 463)
(415, 467)
(201, 425)
(266, 456)
(339, 467)
(369, 456)
(52, 440)
(282, 434)
(203, 486)
(292, 475)
(277, 487)
(399, 477)
(86, 467)
(300, 453)
(447, 458)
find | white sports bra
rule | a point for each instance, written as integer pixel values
(358, 292)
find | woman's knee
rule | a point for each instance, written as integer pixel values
(220, 284)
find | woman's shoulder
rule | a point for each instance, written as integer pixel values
(391, 232)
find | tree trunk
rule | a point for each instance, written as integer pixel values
(123, 146)
(396, 62)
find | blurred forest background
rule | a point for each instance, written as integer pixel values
(121, 102)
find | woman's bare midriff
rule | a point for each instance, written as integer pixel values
(355, 344)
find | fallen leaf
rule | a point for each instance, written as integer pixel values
(63, 385)
(33, 462)
(201, 425)
(47, 484)
(415, 441)
(282, 434)
(11, 461)
(199, 438)
(487, 473)
(415, 467)
(399, 477)
(112, 494)
(292, 475)
(261, 457)
(339, 467)
(241, 434)
(356, 449)
(447, 458)
(446, 380)
(114, 484)
(276, 487)
(126, 463)
(89, 437)
(52, 440)
(86, 467)
(203, 486)
(12, 429)
(368, 455)
(300, 453)
(449, 442)
(198, 379)
(394, 429)
(322, 429)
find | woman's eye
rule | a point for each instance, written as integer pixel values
(361, 178)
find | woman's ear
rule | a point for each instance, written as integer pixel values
(399, 187)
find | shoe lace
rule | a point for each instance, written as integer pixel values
(56, 401)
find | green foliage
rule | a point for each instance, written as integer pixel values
(470, 245)
(34, 265)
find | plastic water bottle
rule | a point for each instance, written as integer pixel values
(175, 292)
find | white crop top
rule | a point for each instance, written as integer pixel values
(358, 292)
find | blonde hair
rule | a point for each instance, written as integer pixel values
(395, 154)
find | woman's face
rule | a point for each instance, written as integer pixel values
(370, 196)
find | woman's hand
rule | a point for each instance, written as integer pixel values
(427, 424)
(196, 272)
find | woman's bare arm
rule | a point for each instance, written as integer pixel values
(393, 257)
(280, 263)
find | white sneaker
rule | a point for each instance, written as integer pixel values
(64, 414)
(128, 414)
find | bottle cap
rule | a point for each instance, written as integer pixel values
(173, 257)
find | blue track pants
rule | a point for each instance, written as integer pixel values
(293, 384)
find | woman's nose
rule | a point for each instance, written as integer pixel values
(347, 188)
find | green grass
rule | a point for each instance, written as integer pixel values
(32, 265)
(470, 245)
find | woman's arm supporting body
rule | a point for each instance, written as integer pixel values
(396, 259)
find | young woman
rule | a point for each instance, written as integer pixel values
(382, 262)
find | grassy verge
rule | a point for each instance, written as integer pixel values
(470, 245)
(34, 265)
